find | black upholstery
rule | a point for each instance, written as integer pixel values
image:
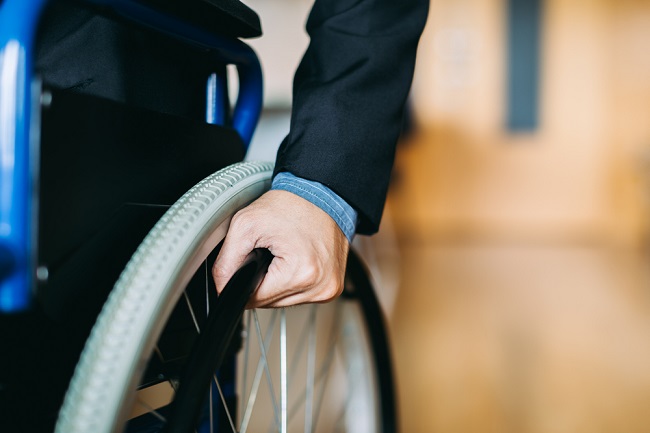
(91, 50)
(228, 17)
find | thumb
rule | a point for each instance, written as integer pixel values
(236, 248)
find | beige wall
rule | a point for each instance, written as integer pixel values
(581, 176)
(281, 48)
(628, 96)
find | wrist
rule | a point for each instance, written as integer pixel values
(320, 195)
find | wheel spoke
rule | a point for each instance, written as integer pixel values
(225, 406)
(311, 367)
(207, 314)
(189, 306)
(252, 397)
(266, 368)
(298, 352)
(283, 369)
(159, 353)
(353, 375)
(321, 372)
(343, 412)
(334, 330)
(246, 336)
(293, 366)
(305, 334)
(152, 411)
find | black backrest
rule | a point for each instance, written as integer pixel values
(228, 17)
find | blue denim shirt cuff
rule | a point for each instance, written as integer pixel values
(323, 197)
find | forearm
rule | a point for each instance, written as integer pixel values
(349, 94)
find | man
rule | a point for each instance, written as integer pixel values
(332, 170)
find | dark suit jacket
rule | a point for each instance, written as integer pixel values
(348, 98)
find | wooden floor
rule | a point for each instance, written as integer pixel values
(518, 338)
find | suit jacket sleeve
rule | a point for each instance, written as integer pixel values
(348, 98)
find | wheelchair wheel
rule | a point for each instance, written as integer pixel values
(167, 355)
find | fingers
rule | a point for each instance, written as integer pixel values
(309, 279)
(239, 242)
(309, 250)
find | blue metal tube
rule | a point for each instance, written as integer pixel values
(18, 22)
(217, 110)
(249, 101)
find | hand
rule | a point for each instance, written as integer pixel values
(309, 249)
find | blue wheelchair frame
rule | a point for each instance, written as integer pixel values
(19, 122)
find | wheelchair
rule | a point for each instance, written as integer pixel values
(116, 191)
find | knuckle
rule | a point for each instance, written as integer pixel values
(323, 286)
(219, 272)
(308, 275)
(240, 222)
(328, 292)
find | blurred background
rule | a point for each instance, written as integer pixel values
(513, 256)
